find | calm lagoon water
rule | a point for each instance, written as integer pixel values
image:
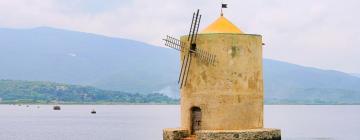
(140, 122)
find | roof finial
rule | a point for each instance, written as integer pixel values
(223, 5)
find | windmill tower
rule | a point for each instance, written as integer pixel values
(221, 83)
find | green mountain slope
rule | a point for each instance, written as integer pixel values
(47, 92)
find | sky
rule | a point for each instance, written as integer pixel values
(318, 33)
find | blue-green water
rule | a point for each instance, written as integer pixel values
(127, 122)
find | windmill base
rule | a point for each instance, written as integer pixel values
(251, 134)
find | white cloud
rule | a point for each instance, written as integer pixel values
(320, 33)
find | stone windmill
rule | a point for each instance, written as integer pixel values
(221, 83)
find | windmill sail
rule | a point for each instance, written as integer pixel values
(195, 23)
(174, 43)
(189, 49)
(186, 73)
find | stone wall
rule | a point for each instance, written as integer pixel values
(175, 134)
(253, 134)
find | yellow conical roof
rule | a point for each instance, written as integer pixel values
(221, 25)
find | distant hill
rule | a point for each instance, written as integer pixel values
(289, 83)
(48, 92)
(47, 54)
(356, 74)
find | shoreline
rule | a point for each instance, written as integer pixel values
(168, 104)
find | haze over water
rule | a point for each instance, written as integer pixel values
(137, 122)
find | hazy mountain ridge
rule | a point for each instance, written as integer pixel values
(47, 54)
(290, 83)
(356, 74)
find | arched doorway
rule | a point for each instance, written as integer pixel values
(195, 119)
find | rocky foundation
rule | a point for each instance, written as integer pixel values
(251, 134)
(175, 134)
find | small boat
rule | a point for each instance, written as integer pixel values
(93, 112)
(57, 107)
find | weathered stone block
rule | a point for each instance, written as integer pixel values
(175, 133)
(252, 134)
